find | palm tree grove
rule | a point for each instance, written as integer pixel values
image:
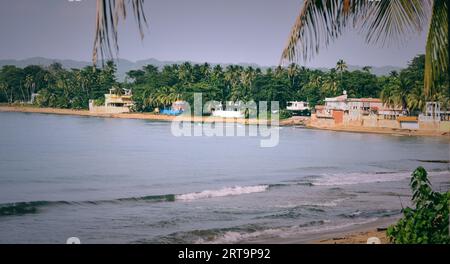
(158, 88)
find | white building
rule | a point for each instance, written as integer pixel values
(232, 109)
(391, 113)
(336, 103)
(434, 112)
(356, 108)
(297, 106)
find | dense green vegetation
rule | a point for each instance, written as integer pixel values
(406, 88)
(56, 86)
(428, 222)
(153, 87)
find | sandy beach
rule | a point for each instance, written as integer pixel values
(294, 121)
(355, 238)
(352, 234)
(358, 234)
(387, 131)
(144, 116)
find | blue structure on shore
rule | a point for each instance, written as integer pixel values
(178, 107)
(171, 112)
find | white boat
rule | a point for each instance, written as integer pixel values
(228, 113)
(297, 106)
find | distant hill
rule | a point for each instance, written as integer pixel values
(124, 65)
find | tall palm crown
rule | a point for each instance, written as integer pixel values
(341, 66)
(385, 21)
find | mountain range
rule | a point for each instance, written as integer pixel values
(124, 65)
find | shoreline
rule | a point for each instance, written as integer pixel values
(291, 122)
(385, 131)
(358, 234)
(141, 116)
(353, 234)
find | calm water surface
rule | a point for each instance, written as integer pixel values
(130, 181)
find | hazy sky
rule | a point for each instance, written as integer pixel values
(226, 31)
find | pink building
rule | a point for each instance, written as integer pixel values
(352, 110)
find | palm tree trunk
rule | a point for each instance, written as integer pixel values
(21, 90)
(6, 94)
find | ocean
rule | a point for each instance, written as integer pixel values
(108, 180)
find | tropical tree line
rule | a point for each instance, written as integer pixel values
(159, 88)
(405, 88)
(54, 86)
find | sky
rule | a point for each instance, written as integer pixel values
(215, 31)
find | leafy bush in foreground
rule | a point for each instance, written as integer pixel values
(428, 223)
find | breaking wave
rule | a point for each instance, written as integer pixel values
(32, 207)
(228, 191)
(21, 208)
(331, 203)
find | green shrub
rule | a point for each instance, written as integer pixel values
(100, 101)
(428, 223)
(284, 114)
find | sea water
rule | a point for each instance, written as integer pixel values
(107, 180)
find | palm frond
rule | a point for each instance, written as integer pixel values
(436, 50)
(318, 23)
(321, 21)
(388, 20)
(109, 13)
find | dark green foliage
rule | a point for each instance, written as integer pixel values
(158, 88)
(405, 89)
(284, 114)
(428, 222)
(153, 87)
(56, 86)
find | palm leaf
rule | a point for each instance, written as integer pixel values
(318, 23)
(388, 20)
(109, 13)
(321, 21)
(436, 50)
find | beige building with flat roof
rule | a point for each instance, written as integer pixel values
(117, 101)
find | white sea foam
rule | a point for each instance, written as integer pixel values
(228, 191)
(232, 237)
(357, 178)
(331, 203)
